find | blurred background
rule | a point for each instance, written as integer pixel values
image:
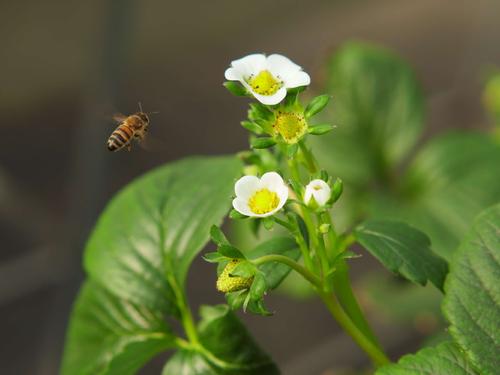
(68, 65)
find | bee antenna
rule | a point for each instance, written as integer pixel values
(140, 106)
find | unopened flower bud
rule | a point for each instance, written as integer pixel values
(319, 190)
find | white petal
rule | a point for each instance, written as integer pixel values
(318, 189)
(232, 74)
(270, 99)
(246, 186)
(241, 205)
(308, 195)
(272, 180)
(251, 64)
(279, 63)
(296, 80)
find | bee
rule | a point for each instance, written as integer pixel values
(130, 127)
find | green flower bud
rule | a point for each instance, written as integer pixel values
(324, 228)
(227, 283)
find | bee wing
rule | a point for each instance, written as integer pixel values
(152, 144)
(119, 117)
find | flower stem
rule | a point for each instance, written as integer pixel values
(378, 356)
(311, 163)
(309, 276)
(342, 285)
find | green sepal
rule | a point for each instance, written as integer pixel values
(235, 215)
(259, 112)
(268, 223)
(264, 142)
(297, 187)
(235, 88)
(291, 150)
(337, 189)
(259, 286)
(255, 226)
(253, 127)
(214, 257)
(316, 105)
(230, 252)
(301, 226)
(243, 269)
(320, 129)
(324, 176)
(235, 300)
(291, 99)
(218, 236)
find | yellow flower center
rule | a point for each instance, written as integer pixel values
(227, 283)
(317, 187)
(263, 201)
(265, 83)
(291, 126)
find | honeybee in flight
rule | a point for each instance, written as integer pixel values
(130, 127)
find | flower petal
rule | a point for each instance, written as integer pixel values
(296, 80)
(232, 74)
(279, 63)
(248, 65)
(272, 180)
(246, 186)
(269, 99)
(241, 205)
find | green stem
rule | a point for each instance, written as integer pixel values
(309, 276)
(378, 356)
(311, 163)
(342, 284)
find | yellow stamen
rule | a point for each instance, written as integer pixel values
(263, 201)
(291, 126)
(265, 83)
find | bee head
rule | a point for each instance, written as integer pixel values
(144, 117)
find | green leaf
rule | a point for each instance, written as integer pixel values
(449, 183)
(228, 340)
(189, 362)
(275, 272)
(403, 250)
(264, 142)
(235, 88)
(472, 299)
(145, 240)
(111, 336)
(378, 106)
(316, 105)
(444, 359)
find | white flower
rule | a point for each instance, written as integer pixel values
(267, 78)
(319, 190)
(260, 197)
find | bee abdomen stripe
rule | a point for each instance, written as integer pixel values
(118, 135)
(127, 131)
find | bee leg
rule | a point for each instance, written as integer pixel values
(129, 147)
